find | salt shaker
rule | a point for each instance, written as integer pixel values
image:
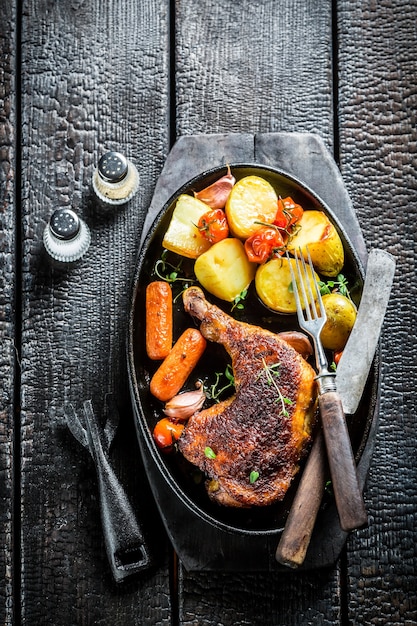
(66, 237)
(115, 180)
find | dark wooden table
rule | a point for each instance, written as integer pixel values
(82, 76)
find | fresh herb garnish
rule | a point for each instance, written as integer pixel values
(209, 452)
(338, 285)
(215, 391)
(172, 273)
(238, 301)
(329, 487)
(253, 476)
(272, 373)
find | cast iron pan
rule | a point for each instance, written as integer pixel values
(178, 487)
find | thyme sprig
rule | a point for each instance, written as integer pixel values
(172, 273)
(337, 285)
(214, 392)
(238, 302)
(272, 373)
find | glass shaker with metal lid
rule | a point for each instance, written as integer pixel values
(115, 180)
(66, 237)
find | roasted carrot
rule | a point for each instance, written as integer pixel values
(158, 320)
(178, 365)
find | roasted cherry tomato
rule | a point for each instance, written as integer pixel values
(336, 356)
(288, 213)
(263, 244)
(213, 225)
(166, 433)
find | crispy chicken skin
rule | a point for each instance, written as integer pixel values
(255, 434)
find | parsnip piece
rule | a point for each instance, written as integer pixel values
(183, 236)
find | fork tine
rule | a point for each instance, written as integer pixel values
(309, 303)
(318, 298)
(295, 291)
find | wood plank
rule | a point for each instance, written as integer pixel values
(256, 67)
(8, 343)
(377, 103)
(94, 77)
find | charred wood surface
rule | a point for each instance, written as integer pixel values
(81, 77)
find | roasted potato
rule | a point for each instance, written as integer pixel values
(274, 285)
(224, 269)
(341, 316)
(183, 236)
(251, 200)
(323, 241)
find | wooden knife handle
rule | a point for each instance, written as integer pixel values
(348, 495)
(296, 536)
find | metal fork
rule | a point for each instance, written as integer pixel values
(311, 318)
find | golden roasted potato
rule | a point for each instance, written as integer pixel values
(251, 200)
(224, 269)
(274, 285)
(318, 233)
(341, 316)
(183, 236)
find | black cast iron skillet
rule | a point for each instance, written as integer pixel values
(178, 487)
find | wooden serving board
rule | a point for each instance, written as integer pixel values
(201, 546)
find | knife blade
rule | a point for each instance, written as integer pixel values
(358, 354)
(352, 373)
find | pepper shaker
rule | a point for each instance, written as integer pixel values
(66, 237)
(115, 180)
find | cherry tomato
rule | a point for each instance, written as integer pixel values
(336, 356)
(166, 433)
(213, 225)
(288, 213)
(263, 244)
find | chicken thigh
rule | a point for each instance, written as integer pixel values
(250, 445)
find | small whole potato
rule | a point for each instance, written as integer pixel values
(341, 316)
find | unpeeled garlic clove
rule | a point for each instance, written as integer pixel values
(183, 405)
(216, 194)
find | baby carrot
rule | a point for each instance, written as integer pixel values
(178, 365)
(158, 320)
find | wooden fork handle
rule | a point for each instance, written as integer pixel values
(295, 539)
(345, 484)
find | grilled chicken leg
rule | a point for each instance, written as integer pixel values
(250, 445)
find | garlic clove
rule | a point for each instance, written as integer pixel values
(185, 404)
(216, 194)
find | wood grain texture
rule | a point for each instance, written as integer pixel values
(8, 347)
(94, 77)
(377, 103)
(255, 67)
(257, 600)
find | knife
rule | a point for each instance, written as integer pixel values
(351, 376)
